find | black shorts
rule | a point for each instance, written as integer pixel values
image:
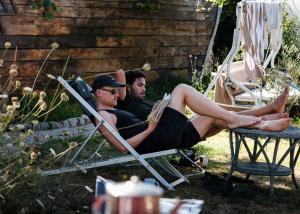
(174, 130)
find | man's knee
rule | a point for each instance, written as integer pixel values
(180, 88)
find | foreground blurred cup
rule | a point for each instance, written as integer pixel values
(131, 197)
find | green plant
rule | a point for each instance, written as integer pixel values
(165, 84)
(146, 5)
(219, 3)
(287, 69)
(64, 111)
(289, 57)
(48, 8)
(223, 40)
(202, 77)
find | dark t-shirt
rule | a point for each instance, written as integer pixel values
(141, 109)
(128, 124)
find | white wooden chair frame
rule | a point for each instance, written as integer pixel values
(234, 50)
(83, 165)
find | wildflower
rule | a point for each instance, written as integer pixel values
(15, 102)
(18, 84)
(64, 97)
(20, 127)
(40, 101)
(8, 173)
(16, 105)
(14, 99)
(50, 76)
(42, 94)
(52, 152)
(47, 137)
(33, 155)
(147, 67)
(7, 45)
(13, 72)
(73, 144)
(66, 133)
(43, 105)
(34, 122)
(13, 67)
(54, 45)
(10, 109)
(29, 132)
(27, 91)
(34, 94)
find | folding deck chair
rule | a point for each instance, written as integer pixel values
(81, 91)
(258, 32)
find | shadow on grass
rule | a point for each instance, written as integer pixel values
(69, 192)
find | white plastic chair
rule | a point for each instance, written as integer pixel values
(258, 33)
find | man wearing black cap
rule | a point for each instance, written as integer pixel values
(109, 84)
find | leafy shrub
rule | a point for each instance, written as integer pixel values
(165, 84)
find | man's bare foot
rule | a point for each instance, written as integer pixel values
(275, 116)
(278, 105)
(274, 125)
(242, 120)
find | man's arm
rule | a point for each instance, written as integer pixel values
(119, 75)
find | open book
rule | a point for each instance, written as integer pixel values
(156, 114)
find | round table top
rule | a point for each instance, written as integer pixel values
(292, 132)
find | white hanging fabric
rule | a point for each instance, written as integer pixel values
(260, 23)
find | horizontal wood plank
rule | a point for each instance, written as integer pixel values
(102, 36)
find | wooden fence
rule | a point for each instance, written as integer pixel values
(104, 35)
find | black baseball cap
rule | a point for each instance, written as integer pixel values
(105, 80)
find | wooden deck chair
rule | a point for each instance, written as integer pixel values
(81, 92)
(258, 33)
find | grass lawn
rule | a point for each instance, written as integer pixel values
(67, 193)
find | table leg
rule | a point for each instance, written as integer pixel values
(227, 179)
(294, 180)
(272, 180)
(293, 161)
(247, 177)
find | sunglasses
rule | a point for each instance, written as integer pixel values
(112, 91)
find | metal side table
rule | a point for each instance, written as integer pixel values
(272, 165)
